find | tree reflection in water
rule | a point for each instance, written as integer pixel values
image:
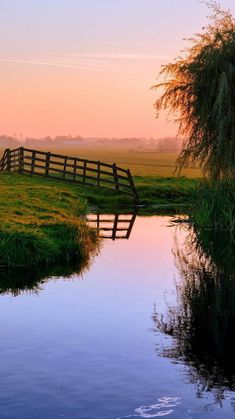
(202, 323)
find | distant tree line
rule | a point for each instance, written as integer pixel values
(163, 145)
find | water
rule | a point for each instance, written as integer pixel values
(146, 332)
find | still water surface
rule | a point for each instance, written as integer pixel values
(128, 339)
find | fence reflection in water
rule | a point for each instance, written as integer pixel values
(114, 227)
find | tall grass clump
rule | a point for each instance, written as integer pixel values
(213, 206)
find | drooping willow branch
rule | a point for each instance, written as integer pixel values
(199, 90)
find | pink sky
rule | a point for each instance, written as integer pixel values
(86, 67)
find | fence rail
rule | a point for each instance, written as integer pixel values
(83, 171)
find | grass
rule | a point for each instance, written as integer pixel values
(213, 206)
(154, 194)
(41, 223)
(168, 191)
(153, 173)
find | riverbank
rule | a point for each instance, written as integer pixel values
(42, 223)
(43, 220)
(155, 194)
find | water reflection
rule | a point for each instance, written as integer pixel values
(31, 280)
(21, 280)
(114, 227)
(202, 321)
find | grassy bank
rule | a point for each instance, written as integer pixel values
(39, 223)
(42, 221)
(154, 193)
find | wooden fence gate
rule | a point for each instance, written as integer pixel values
(86, 172)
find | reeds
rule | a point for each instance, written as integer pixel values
(213, 206)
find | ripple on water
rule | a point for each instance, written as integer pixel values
(164, 407)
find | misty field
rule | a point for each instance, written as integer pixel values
(141, 163)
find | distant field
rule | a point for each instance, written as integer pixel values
(141, 163)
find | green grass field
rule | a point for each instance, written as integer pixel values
(42, 222)
(153, 175)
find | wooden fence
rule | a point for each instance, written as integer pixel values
(86, 172)
(115, 227)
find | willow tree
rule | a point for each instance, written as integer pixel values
(199, 90)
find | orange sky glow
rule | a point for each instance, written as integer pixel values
(75, 67)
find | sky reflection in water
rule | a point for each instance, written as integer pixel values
(146, 332)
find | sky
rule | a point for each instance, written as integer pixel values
(85, 67)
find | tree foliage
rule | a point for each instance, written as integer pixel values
(199, 90)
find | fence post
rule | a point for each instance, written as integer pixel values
(8, 159)
(3, 160)
(33, 161)
(21, 159)
(65, 166)
(48, 156)
(132, 185)
(115, 176)
(98, 173)
(84, 171)
(74, 169)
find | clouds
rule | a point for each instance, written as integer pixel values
(117, 56)
(50, 63)
(91, 61)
